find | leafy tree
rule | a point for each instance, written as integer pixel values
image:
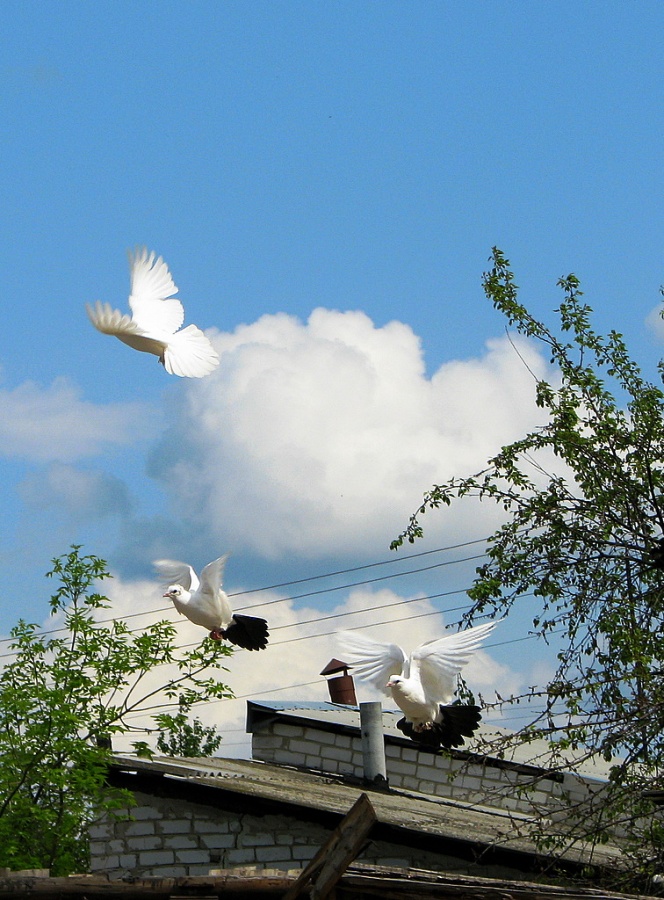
(62, 695)
(581, 549)
(180, 737)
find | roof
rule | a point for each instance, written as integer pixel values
(335, 665)
(339, 717)
(404, 817)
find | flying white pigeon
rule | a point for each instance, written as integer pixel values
(204, 603)
(422, 685)
(156, 317)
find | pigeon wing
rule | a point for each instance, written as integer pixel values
(210, 593)
(112, 321)
(151, 302)
(437, 663)
(174, 572)
(374, 661)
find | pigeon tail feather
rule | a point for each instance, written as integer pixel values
(456, 722)
(190, 354)
(248, 632)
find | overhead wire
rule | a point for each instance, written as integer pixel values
(155, 708)
(343, 615)
(360, 568)
(146, 710)
(174, 704)
(317, 577)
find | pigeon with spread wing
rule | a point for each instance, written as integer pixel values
(156, 317)
(423, 684)
(206, 604)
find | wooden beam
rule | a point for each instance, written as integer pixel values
(196, 887)
(334, 857)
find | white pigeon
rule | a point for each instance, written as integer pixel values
(204, 603)
(423, 684)
(156, 317)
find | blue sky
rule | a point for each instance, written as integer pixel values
(357, 159)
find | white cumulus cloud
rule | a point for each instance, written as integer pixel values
(45, 424)
(655, 322)
(321, 437)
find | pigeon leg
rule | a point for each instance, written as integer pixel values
(423, 726)
(216, 635)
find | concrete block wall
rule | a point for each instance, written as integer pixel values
(483, 782)
(167, 837)
(172, 837)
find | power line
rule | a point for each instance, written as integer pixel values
(384, 562)
(140, 713)
(288, 687)
(352, 584)
(355, 612)
(365, 566)
(344, 615)
(318, 618)
(317, 681)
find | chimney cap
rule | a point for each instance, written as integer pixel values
(334, 666)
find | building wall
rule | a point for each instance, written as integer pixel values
(169, 837)
(485, 783)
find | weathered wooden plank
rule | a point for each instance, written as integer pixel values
(369, 881)
(357, 881)
(340, 849)
(199, 886)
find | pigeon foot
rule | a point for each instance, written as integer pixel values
(423, 726)
(216, 635)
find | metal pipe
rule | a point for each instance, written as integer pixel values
(373, 744)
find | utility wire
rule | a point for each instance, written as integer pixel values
(306, 683)
(352, 584)
(384, 562)
(342, 615)
(311, 578)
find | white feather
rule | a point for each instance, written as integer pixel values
(418, 683)
(202, 602)
(155, 320)
(373, 661)
(173, 572)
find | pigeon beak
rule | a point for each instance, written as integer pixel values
(166, 595)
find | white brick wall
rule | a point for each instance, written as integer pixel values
(191, 839)
(408, 768)
(174, 837)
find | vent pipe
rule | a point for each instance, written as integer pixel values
(373, 744)
(341, 688)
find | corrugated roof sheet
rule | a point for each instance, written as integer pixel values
(400, 811)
